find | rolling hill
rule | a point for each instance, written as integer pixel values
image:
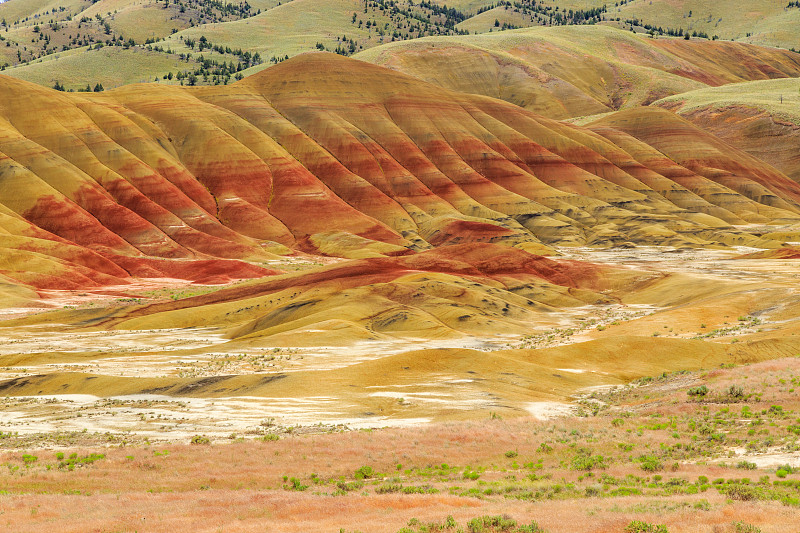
(211, 38)
(580, 70)
(761, 117)
(109, 183)
(280, 221)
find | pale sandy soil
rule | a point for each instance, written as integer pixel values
(767, 290)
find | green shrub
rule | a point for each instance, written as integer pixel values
(744, 493)
(742, 527)
(350, 486)
(637, 526)
(702, 505)
(73, 460)
(485, 524)
(200, 439)
(471, 475)
(295, 484)
(365, 472)
(422, 489)
(591, 492)
(735, 392)
(700, 391)
(389, 489)
(650, 463)
(586, 461)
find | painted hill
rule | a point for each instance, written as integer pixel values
(761, 117)
(331, 155)
(468, 289)
(788, 252)
(572, 71)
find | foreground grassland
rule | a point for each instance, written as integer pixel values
(713, 450)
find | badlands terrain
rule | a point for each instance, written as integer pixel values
(538, 275)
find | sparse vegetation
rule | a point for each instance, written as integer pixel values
(626, 466)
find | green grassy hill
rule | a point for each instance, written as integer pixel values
(766, 22)
(110, 66)
(35, 29)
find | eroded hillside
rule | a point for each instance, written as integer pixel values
(333, 156)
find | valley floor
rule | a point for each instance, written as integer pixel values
(713, 450)
(700, 308)
(671, 403)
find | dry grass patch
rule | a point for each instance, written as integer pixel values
(645, 454)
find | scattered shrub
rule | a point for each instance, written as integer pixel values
(650, 463)
(365, 472)
(742, 527)
(295, 484)
(638, 526)
(735, 392)
(200, 439)
(586, 461)
(700, 391)
(744, 493)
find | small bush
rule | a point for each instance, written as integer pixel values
(735, 392)
(350, 486)
(486, 524)
(295, 484)
(471, 475)
(592, 492)
(742, 527)
(700, 391)
(74, 460)
(744, 493)
(585, 461)
(200, 439)
(650, 463)
(389, 489)
(702, 505)
(421, 489)
(365, 472)
(637, 526)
